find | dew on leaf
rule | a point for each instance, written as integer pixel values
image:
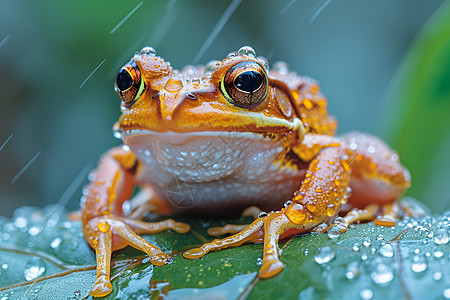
(324, 255)
(34, 268)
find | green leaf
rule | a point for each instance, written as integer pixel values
(44, 256)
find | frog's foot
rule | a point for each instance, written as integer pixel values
(268, 229)
(124, 232)
(366, 214)
(252, 211)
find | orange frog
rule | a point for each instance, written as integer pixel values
(240, 136)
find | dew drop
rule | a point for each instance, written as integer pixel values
(34, 268)
(324, 255)
(334, 233)
(438, 252)
(20, 222)
(262, 214)
(366, 294)
(418, 265)
(34, 230)
(446, 293)
(148, 51)
(5, 266)
(247, 50)
(55, 243)
(259, 261)
(281, 67)
(356, 246)
(196, 80)
(382, 274)
(173, 85)
(371, 149)
(116, 131)
(437, 276)
(386, 250)
(352, 271)
(367, 242)
(287, 203)
(440, 236)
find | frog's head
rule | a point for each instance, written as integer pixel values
(235, 100)
(234, 95)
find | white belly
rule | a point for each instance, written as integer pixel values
(215, 174)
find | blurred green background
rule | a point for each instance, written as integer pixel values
(353, 48)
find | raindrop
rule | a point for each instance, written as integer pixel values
(148, 51)
(324, 255)
(281, 67)
(173, 85)
(247, 50)
(386, 250)
(382, 274)
(334, 233)
(34, 268)
(367, 242)
(55, 243)
(437, 276)
(352, 271)
(419, 264)
(262, 214)
(20, 222)
(438, 253)
(440, 236)
(366, 294)
(446, 293)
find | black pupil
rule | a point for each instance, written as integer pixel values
(248, 81)
(124, 80)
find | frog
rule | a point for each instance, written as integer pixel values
(228, 137)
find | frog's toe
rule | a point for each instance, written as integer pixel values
(102, 287)
(270, 267)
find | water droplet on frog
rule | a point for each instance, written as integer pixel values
(367, 242)
(231, 54)
(281, 67)
(324, 255)
(116, 131)
(34, 268)
(352, 271)
(247, 50)
(348, 190)
(259, 261)
(287, 203)
(418, 264)
(191, 96)
(173, 85)
(148, 51)
(386, 250)
(371, 149)
(262, 214)
(440, 236)
(55, 243)
(334, 233)
(211, 66)
(366, 294)
(437, 276)
(381, 274)
(196, 80)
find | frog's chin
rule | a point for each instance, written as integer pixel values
(185, 138)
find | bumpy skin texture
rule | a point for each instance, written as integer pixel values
(242, 137)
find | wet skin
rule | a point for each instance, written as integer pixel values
(244, 137)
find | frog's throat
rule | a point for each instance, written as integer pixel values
(295, 130)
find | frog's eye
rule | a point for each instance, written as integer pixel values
(245, 84)
(129, 83)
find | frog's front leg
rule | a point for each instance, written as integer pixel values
(104, 226)
(317, 201)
